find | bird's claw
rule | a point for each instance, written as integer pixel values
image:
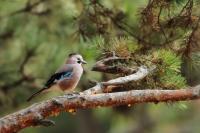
(72, 95)
(57, 102)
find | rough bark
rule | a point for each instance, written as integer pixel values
(37, 113)
(94, 97)
(142, 72)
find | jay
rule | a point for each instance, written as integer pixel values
(66, 77)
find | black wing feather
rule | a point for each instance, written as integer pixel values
(48, 84)
(51, 80)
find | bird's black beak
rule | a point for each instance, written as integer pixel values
(84, 62)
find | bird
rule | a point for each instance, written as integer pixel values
(66, 77)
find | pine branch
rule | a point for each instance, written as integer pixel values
(101, 66)
(142, 72)
(37, 113)
(94, 97)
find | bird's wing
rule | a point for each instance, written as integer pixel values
(66, 74)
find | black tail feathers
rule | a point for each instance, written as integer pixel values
(35, 94)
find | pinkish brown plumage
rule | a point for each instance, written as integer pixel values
(67, 76)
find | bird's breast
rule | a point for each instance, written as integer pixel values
(67, 84)
(71, 83)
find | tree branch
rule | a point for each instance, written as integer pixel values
(142, 72)
(36, 114)
(102, 66)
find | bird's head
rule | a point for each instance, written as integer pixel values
(75, 58)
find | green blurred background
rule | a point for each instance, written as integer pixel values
(35, 38)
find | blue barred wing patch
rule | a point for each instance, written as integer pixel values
(66, 75)
(58, 76)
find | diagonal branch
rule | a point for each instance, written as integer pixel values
(27, 8)
(37, 113)
(142, 72)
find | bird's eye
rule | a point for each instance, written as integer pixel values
(79, 60)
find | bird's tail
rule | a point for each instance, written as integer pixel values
(35, 94)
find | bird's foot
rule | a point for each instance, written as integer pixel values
(57, 102)
(72, 95)
(76, 93)
(113, 54)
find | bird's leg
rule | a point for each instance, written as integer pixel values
(68, 95)
(113, 54)
(57, 102)
(72, 94)
(76, 92)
